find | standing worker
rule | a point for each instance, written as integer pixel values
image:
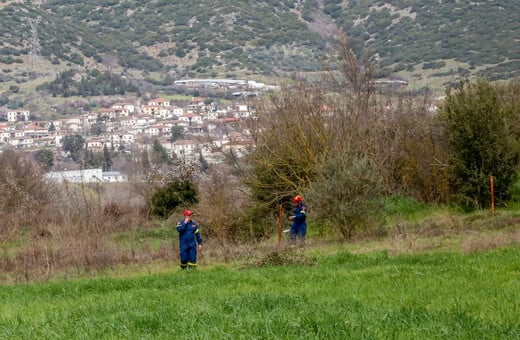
(189, 240)
(299, 221)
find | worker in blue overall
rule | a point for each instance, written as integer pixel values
(189, 240)
(299, 221)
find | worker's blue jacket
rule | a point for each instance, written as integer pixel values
(189, 234)
(299, 223)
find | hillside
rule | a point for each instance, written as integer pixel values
(427, 42)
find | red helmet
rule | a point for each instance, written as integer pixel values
(187, 212)
(297, 199)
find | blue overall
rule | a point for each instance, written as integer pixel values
(189, 237)
(299, 223)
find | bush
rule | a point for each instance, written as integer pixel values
(482, 143)
(346, 194)
(24, 193)
(177, 193)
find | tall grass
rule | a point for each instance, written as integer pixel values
(335, 296)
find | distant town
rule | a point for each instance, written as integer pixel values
(125, 126)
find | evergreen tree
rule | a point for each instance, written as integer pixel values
(73, 144)
(45, 157)
(204, 166)
(177, 132)
(177, 193)
(159, 153)
(145, 160)
(107, 159)
(481, 145)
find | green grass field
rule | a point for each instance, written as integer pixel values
(336, 295)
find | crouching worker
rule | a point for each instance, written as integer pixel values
(189, 240)
(299, 222)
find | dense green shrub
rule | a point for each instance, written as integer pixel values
(177, 193)
(482, 144)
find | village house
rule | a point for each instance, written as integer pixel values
(196, 105)
(95, 144)
(35, 131)
(150, 110)
(21, 142)
(177, 111)
(162, 129)
(113, 176)
(118, 139)
(153, 130)
(71, 125)
(4, 136)
(159, 102)
(215, 114)
(124, 109)
(163, 113)
(106, 114)
(18, 115)
(5, 133)
(191, 118)
(128, 122)
(185, 148)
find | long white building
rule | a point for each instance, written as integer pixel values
(85, 176)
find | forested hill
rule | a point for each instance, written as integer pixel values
(422, 38)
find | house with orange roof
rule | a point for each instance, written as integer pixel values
(35, 131)
(159, 102)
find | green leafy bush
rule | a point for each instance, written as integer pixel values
(177, 193)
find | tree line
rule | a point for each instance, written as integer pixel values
(94, 83)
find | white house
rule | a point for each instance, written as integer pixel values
(153, 130)
(178, 111)
(159, 102)
(4, 136)
(75, 176)
(15, 115)
(126, 138)
(185, 147)
(21, 142)
(113, 176)
(36, 131)
(124, 109)
(190, 118)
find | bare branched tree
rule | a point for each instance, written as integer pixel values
(290, 133)
(24, 192)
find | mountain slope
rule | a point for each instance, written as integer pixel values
(421, 38)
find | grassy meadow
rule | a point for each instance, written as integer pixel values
(289, 294)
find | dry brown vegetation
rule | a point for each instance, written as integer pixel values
(89, 229)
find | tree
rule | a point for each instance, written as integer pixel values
(204, 166)
(159, 153)
(145, 160)
(177, 193)
(73, 144)
(24, 193)
(291, 139)
(97, 129)
(481, 144)
(177, 132)
(45, 157)
(107, 159)
(346, 194)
